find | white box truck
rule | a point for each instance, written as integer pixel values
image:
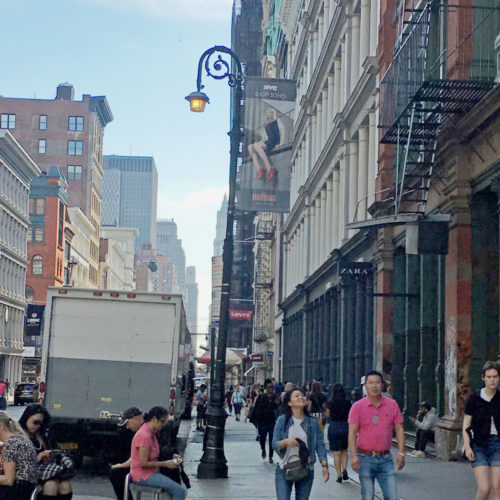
(105, 351)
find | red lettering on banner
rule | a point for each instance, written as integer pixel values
(241, 315)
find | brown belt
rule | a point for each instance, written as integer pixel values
(374, 453)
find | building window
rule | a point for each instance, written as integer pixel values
(67, 250)
(7, 121)
(75, 148)
(42, 122)
(37, 206)
(37, 264)
(38, 235)
(42, 146)
(74, 172)
(75, 123)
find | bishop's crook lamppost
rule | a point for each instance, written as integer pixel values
(213, 463)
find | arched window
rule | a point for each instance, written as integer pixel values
(37, 264)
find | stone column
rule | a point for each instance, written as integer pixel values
(315, 51)
(324, 124)
(372, 157)
(374, 9)
(354, 51)
(353, 180)
(319, 131)
(343, 197)
(331, 104)
(326, 15)
(337, 87)
(332, 7)
(335, 214)
(364, 32)
(321, 34)
(317, 228)
(310, 64)
(412, 333)
(322, 229)
(363, 173)
(360, 326)
(330, 216)
(345, 68)
(312, 237)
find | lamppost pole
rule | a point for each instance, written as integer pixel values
(213, 463)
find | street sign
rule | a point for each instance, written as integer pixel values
(270, 353)
(257, 357)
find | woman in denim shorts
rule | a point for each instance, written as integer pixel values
(481, 431)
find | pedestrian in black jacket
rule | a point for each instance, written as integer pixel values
(264, 415)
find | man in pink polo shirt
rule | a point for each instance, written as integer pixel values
(372, 420)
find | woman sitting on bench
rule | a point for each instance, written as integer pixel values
(145, 467)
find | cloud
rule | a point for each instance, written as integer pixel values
(208, 197)
(175, 9)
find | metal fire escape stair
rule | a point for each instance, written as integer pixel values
(417, 96)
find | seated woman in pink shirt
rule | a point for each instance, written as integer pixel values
(145, 467)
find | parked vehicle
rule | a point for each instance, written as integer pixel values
(23, 393)
(105, 351)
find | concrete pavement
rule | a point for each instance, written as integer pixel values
(250, 477)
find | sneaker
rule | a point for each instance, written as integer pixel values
(264, 455)
(419, 454)
(412, 453)
(261, 174)
(345, 477)
(270, 460)
(339, 479)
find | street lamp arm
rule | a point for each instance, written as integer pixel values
(219, 69)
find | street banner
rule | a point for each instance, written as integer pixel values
(33, 319)
(264, 176)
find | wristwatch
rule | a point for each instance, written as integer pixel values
(324, 463)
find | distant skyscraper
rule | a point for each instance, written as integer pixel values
(168, 244)
(130, 190)
(192, 299)
(220, 228)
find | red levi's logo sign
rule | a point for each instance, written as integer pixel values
(241, 315)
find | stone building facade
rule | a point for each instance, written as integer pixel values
(17, 170)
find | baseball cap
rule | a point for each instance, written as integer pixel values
(130, 413)
(425, 404)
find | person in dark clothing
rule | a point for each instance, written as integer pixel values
(337, 411)
(316, 403)
(131, 421)
(264, 415)
(228, 396)
(481, 431)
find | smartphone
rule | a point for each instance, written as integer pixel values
(178, 460)
(55, 453)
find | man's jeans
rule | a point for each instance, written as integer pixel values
(284, 487)
(177, 491)
(379, 468)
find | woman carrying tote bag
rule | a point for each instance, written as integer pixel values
(297, 441)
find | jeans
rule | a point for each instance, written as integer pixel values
(284, 487)
(379, 468)
(264, 430)
(177, 491)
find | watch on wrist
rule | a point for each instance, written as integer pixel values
(324, 463)
(401, 453)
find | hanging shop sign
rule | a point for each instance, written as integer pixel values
(257, 357)
(264, 176)
(240, 315)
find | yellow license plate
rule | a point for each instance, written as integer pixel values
(68, 446)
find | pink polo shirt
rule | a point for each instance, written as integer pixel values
(375, 436)
(143, 438)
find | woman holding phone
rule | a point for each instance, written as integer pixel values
(35, 423)
(145, 466)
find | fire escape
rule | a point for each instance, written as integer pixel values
(443, 65)
(263, 278)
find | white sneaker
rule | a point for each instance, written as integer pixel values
(419, 454)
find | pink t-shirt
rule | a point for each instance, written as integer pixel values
(375, 423)
(143, 438)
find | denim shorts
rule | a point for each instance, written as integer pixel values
(487, 456)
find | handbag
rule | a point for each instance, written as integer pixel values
(60, 468)
(295, 471)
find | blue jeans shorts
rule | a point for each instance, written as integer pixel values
(487, 456)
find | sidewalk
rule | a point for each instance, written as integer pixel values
(250, 477)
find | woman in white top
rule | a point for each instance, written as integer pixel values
(293, 426)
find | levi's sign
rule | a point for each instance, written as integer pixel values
(240, 315)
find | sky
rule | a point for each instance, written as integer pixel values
(143, 56)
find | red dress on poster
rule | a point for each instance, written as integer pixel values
(3, 386)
